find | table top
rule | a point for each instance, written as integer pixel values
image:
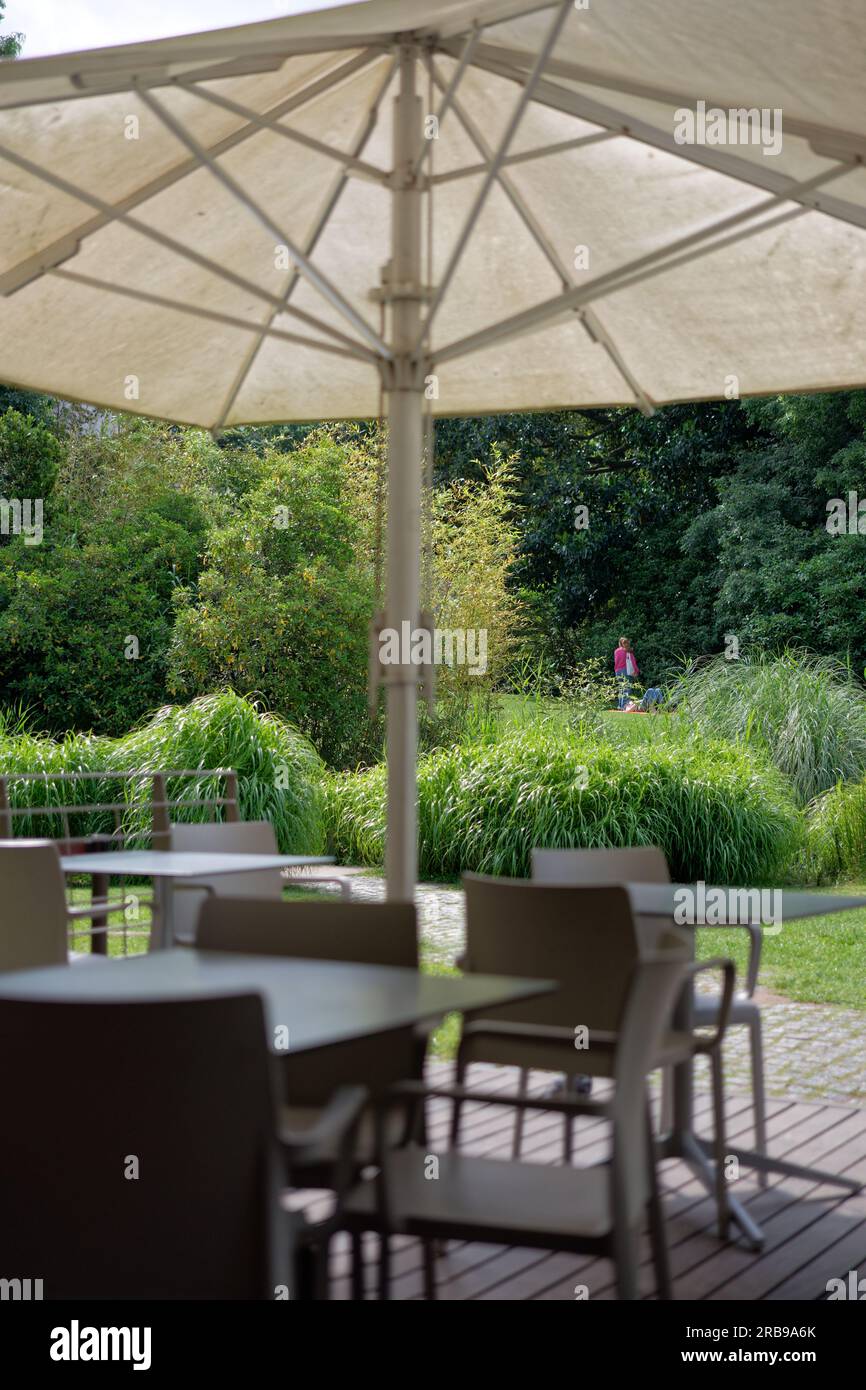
(741, 905)
(319, 1002)
(174, 863)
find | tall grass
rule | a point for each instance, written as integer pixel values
(805, 710)
(279, 771)
(719, 812)
(836, 835)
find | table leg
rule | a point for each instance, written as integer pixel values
(99, 884)
(765, 1164)
(162, 915)
(682, 1142)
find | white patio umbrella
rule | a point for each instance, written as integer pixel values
(481, 205)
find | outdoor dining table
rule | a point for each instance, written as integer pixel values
(318, 1002)
(163, 866)
(660, 901)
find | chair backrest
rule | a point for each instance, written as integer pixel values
(154, 1175)
(223, 837)
(370, 933)
(583, 937)
(585, 867)
(33, 920)
(636, 864)
(653, 988)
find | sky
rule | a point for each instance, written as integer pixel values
(58, 26)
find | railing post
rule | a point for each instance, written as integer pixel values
(160, 829)
(5, 816)
(232, 809)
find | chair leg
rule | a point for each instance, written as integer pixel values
(666, 1116)
(357, 1267)
(384, 1266)
(720, 1142)
(522, 1083)
(322, 1269)
(625, 1254)
(306, 1274)
(658, 1237)
(759, 1100)
(429, 1270)
(457, 1107)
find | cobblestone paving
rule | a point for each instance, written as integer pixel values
(811, 1051)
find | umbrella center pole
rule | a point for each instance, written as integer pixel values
(404, 293)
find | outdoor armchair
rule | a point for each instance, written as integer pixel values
(369, 933)
(647, 864)
(222, 837)
(34, 912)
(597, 1210)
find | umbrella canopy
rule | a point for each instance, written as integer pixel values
(475, 205)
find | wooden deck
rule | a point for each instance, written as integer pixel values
(813, 1233)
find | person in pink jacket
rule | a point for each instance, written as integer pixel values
(626, 670)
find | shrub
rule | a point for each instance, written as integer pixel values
(283, 603)
(719, 812)
(279, 772)
(804, 710)
(836, 834)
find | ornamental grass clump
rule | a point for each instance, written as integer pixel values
(279, 772)
(719, 812)
(806, 711)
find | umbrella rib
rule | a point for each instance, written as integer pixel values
(321, 222)
(589, 318)
(586, 108)
(67, 245)
(521, 104)
(315, 276)
(526, 156)
(351, 162)
(491, 13)
(198, 311)
(519, 58)
(448, 92)
(652, 263)
(100, 80)
(112, 214)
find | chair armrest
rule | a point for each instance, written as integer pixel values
(99, 907)
(545, 1034)
(727, 967)
(337, 1126)
(420, 1090)
(756, 941)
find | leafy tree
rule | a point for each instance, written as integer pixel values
(283, 602)
(86, 616)
(10, 44)
(29, 457)
(780, 577)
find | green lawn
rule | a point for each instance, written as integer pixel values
(816, 960)
(625, 728)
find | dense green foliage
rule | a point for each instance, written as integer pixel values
(85, 615)
(10, 44)
(705, 520)
(836, 840)
(279, 772)
(805, 711)
(283, 602)
(717, 811)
